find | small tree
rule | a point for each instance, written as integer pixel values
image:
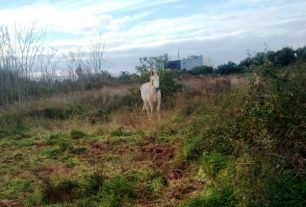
(201, 70)
(285, 56)
(169, 86)
(301, 53)
(147, 64)
(228, 68)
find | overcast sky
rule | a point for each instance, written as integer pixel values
(219, 29)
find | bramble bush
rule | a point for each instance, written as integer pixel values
(265, 128)
(169, 86)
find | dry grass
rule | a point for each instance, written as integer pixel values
(61, 100)
(209, 83)
(116, 154)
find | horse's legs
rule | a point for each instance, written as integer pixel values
(158, 109)
(146, 107)
(158, 98)
(151, 107)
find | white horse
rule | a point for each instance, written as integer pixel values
(151, 95)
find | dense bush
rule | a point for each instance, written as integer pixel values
(215, 197)
(201, 70)
(13, 126)
(279, 58)
(301, 53)
(169, 86)
(132, 100)
(121, 132)
(77, 134)
(265, 129)
(284, 57)
(117, 192)
(271, 128)
(67, 190)
(229, 68)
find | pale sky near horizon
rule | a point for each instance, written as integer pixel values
(219, 29)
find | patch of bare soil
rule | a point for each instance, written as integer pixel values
(9, 203)
(161, 158)
(53, 169)
(95, 152)
(157, 153)
(181, 184)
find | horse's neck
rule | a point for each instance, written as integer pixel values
(152, 89)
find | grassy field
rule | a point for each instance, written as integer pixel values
(96, 148)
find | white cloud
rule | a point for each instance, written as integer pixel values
(124, 30)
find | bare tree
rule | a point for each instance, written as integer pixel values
(19, 49)
(73, 60)
(30, 68)
(87, 64)
(95, 59)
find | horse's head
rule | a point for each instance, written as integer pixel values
(154, 79)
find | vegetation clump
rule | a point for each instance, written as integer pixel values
(77, 134)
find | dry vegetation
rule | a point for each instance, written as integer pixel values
(96, 148)
(124, 143)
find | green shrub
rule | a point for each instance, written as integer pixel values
(13, 187)
(78, 150)
(92, 184)
(62, 145)
(268, 131)
(65, 145)
(104, 105)
(193, 148)
(54, 139)
(132, 100)
(117, 192)
(201, 70)
(68, 191)
(252, 147)
(209, 141)
(156, 185)
(13, 126)
(150, 182)
(69, 163)
(214, 197)
(52, 152)
(190, 109)
(286, 190)
(169, 86)
(77, 134)
(61, 192)
(50, 113)
(213, 162)
(119, 132)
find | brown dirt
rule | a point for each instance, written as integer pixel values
(179, 178)
(9, 203)
(157, 152)
(95, 152)
(161, 158)
(53, 169)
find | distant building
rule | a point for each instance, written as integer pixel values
(186, 63)
(175, 64)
